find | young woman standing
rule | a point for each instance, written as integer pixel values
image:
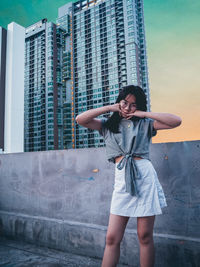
(137, 190)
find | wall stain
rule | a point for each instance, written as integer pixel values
(86, 178)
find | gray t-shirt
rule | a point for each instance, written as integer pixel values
(132, 140)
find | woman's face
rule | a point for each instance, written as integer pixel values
(128, 105)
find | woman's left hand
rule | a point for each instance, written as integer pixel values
(137, 113)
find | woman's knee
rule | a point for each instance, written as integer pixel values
(145, 237)
(112, 239)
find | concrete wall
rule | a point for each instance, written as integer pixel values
(61, 199)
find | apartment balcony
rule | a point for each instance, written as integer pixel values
(122, 67)
(122, 55)
(121, 40)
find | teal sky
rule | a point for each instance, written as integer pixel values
(173, 51)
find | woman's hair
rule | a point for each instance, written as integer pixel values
(113, 122)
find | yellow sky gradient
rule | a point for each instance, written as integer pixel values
(173, 51)
(175, 88)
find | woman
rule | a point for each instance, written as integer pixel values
(137, 191)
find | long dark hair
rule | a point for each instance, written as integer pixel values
(113, 122)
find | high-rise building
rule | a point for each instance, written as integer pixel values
(3, 39)
(108, 51)
(12, 88)
(43, 124)
(63, 25)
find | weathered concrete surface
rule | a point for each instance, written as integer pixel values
(61, 199)
(21, 254)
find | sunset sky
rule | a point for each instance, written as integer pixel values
(173, 51)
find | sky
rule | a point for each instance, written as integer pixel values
(173, 52)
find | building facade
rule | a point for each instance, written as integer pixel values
(3, 42)
(43, 124)
(12, 88)
(108, 51)
(63, 24)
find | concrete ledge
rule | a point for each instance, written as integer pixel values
(89, 239)
(61, 199)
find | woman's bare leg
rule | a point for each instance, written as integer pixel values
(145, 235)
(115, 232)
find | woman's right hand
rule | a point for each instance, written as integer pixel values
(114, 107)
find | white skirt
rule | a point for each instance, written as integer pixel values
(151, 197)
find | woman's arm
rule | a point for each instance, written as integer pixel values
(161, 120)
(164, 120)
(87, 118)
